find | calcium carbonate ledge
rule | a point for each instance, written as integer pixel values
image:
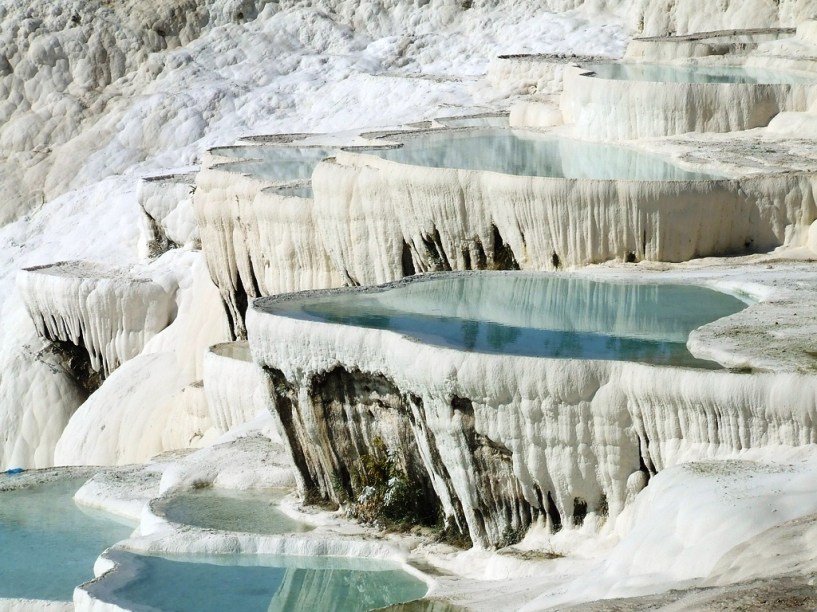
(381, 220)
(613, 109)
(506, 441)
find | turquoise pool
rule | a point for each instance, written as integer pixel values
(531, 315)
(525, 153)
(697, 74)
(258, 582)
(49, 544)
(248, 511)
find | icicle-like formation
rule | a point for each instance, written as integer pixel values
(631, 109)
(107, 312)
(381, 220)
(501, 441)
(259, 240)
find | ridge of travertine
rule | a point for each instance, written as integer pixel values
(504, 441)
(110, 313)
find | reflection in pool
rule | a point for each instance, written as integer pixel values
(530, 154)
(49, 545)
(697, 74)
(258, 582)
(532, 315)
(248, 511)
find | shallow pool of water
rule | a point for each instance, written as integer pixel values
(500, 121)
(697, 74)
(48, 545)
(239, 350)
(273, 163)
(247, 511)
(258, 582)
(524, 153)
(532, 315)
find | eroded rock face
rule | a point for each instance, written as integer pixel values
(362, 421)
(345, 418)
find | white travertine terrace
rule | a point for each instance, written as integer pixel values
(702, 44)
(668, 17)
(629, 109)
(793, 53)
(258, 240)
(526, 74)
(155, 401)
(570, 429)
(505, 441)
(108, 312)
(368, 210)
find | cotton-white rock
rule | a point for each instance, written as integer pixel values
(107, 312)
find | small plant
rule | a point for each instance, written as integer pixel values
(383, 493)
(510, 536)
(338, 488)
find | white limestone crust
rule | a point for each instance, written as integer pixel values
(592, 430)
(111, 313)
(371, 211)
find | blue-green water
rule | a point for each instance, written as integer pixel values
(697, 74)
(248, 511)
(515, 152)
(258, 582)
(274, 163)
(49, 545)
(529, 154)
(532, 315)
